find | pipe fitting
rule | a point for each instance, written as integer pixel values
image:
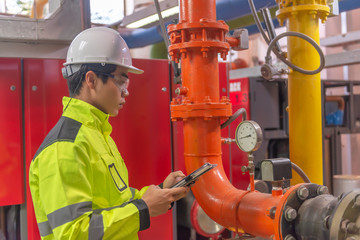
(239, 40)
(268, 71)
(181, 91)
(227, 140)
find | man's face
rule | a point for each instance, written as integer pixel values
(110, 96)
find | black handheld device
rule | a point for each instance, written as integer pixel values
(192, 177)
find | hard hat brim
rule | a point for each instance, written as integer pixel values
(131, 69)
(134, 70)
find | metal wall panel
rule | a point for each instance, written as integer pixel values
(141, 131)
(44, 88)
(11, 140)
(225, 133)
(239, 97)
(142, 134)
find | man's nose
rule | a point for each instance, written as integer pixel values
(125, 92)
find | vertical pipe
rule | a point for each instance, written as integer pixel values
(194, 10)
(196, 41)
(305, 116)
(200, 76)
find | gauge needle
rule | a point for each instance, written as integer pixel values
(246, 136)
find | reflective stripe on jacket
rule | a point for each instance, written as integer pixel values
(79, 181)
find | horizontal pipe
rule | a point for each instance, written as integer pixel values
(225, 10)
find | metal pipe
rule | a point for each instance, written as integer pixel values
(195, 40)
(304, 91)
(226, 10)
(301, 173)
(241, 111)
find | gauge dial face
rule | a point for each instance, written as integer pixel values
(248, 136)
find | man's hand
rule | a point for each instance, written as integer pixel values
(159, 200)
(173, 178)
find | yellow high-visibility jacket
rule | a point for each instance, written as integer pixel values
(79, 181)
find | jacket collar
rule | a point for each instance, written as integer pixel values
(87, 114)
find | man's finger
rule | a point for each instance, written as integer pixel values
(179, 174)
(178, 190)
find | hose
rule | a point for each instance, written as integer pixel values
(291, 65)
(166, 39)
(257, 21)
(281, 57)
(239, 112)
(301, 173)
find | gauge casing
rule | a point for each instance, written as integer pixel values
(248, 136)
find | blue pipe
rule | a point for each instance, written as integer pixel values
(347, 5)
(344, 6)
(230, 9)
(225, 10)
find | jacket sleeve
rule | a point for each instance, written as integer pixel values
(139, 193)
(62, 189)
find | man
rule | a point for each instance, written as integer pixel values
(78, 179)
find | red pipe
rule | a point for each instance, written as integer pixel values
(197, 40)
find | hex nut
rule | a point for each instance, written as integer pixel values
(343, 225)
(357, 201)
(352, 228)
(351, 238)
(290, 214)
(322, 190)
(289, 237)
(302, 193)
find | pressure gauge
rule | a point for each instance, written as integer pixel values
(248, 136)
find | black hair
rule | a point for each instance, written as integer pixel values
(75, 81)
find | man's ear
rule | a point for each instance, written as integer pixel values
(91, 79)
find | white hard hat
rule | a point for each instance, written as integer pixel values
(100, 45)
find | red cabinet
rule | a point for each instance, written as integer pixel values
(11, 141)
(44, 87)
(31, 92)
(141, 131)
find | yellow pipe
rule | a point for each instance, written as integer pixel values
(304, 91)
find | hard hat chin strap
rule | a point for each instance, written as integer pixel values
(69, 70)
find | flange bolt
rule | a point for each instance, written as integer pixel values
(289, 237)
(302, 193)
(351, 238)
(322, 190)
(357, 201)
(290, 214)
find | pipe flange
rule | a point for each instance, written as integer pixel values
(293, 203)
(201, 110)
(345, 223)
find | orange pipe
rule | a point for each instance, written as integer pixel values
(197, 40)
(340, 100)
(38, 7)
(233, 41)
